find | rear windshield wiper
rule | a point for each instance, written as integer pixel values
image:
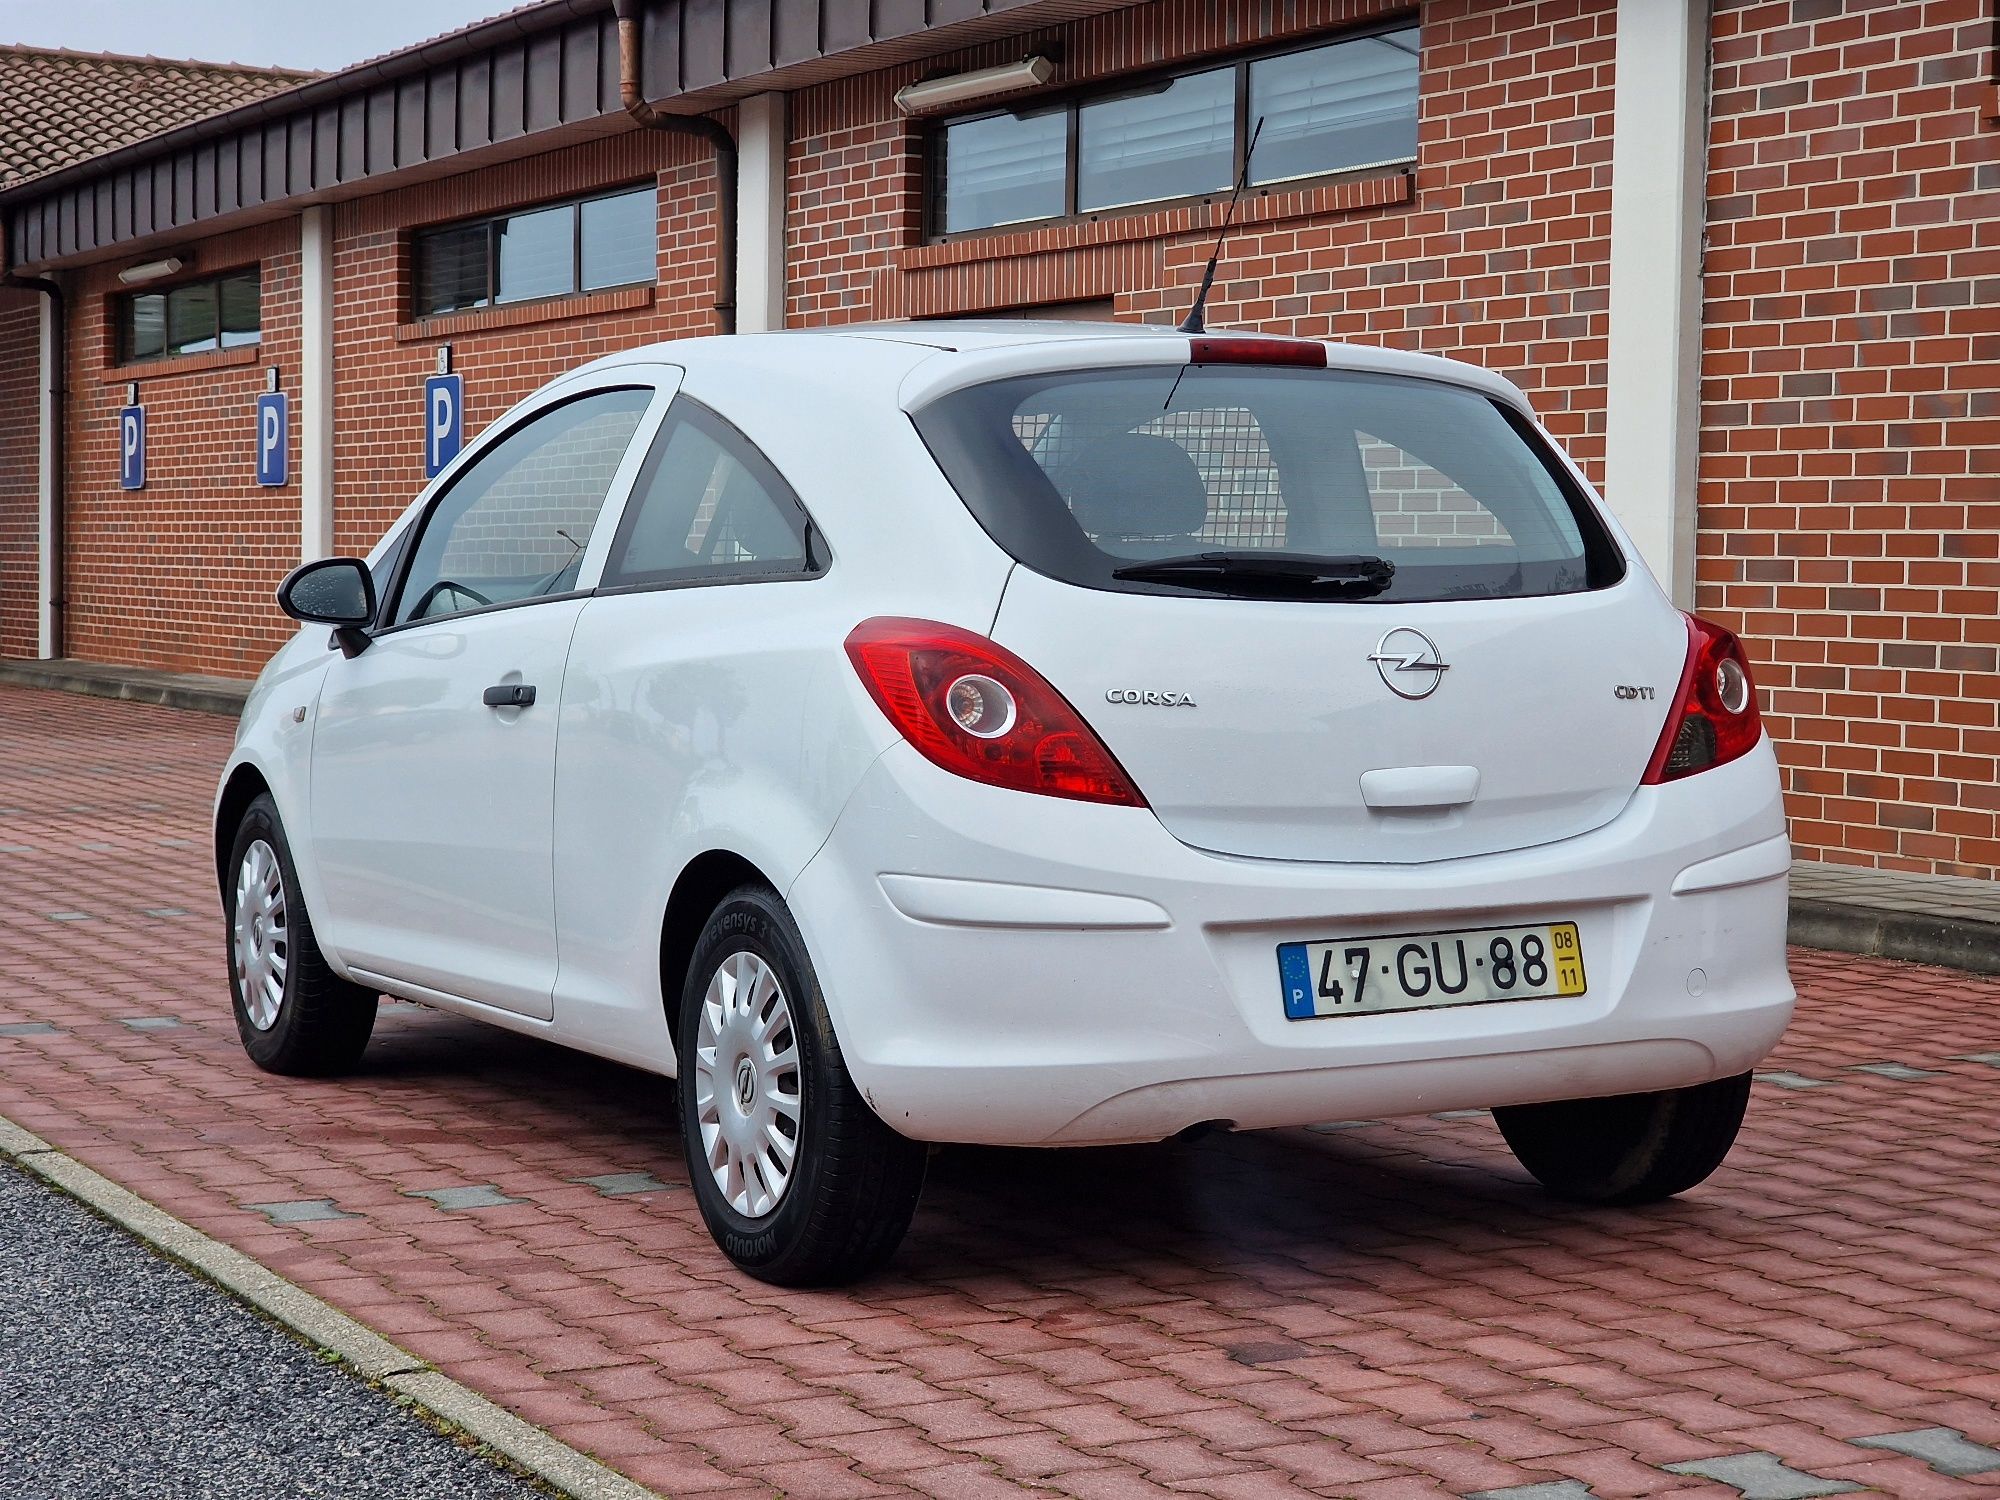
(1353, 577)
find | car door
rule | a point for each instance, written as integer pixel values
(433, 763)
(681, 723)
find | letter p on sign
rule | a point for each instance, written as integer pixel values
(131, 447)
(444, 421)
(273, 428)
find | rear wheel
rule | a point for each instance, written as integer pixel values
(798, 1180)
(294, 1014)
(1630, 1148)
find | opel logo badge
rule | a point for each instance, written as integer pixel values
(1409, 663)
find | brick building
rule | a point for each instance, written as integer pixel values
(1743, 255)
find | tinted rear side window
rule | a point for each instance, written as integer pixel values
(1079, 474)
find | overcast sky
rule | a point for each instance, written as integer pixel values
(268, 33)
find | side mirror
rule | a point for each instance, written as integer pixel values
(336, 591)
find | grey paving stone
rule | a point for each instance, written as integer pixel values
(1900, 1071)
(620, 1184)
(1334, 1127)
(1786, 1080)
(298, 1210)
(27, 1028)
(1461, 1114)
(150, 1023)
(163, 911)
(17, 848)
(1551, 1489)
(1991, 1059)
(69, 916)
(1762, 1476)
(458, 1199)
(176, 843)
(97, 848)
(1945, 1449)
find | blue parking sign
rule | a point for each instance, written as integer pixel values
(444, 421)
(131, 447)
(274, 422)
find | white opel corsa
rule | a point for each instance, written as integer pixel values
(1029, 735)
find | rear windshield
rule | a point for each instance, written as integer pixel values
(1236, 481)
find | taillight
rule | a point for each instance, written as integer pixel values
(1714, 718)
(981, 712)
(1307, 354)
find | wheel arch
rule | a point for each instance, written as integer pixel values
(700, 886)
(244, 785)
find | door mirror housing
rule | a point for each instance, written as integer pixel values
(336, 591)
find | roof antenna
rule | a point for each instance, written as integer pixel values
(1195, 322)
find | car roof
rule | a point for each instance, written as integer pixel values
(948, 354)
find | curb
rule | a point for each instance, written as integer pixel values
(365, 1351)
(203, 695)
(1877, 932)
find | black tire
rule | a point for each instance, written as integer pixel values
(323, 1021)
(854, 1182)
(1630, 1148)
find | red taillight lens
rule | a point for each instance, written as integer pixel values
(1714, 717)
(1305, 353)
(981, 712)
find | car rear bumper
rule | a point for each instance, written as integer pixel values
(1017, 970)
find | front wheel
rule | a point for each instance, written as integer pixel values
(799, 1181)
(1630, 1148)
(294, 1014)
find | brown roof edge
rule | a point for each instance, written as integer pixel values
(525, 21)
(149, 60)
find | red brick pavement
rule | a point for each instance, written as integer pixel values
(1379, 1311)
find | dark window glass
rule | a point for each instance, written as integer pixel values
(451, 268)
(544, 252)
(515, 523)
(241, 316)
(193, 318)
(191, 325)
(1080, 474)
(1324, 109)
(1173, 142)
(1349, 105)
(621, 239)
(708, 505)
(537, 255)
(1003, 170)
(146, 326)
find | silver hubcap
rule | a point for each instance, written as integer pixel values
(746, 1085)
(262, 936)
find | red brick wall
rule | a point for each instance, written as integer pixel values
(20, 443)
(503, 354)
(1496, 253)
(179, 575)
(1850, 472)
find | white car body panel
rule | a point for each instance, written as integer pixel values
(1000, 966)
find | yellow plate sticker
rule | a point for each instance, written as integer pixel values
(1567, 950)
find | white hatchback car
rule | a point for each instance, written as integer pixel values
(1029, 735)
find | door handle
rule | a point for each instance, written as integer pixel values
(510, 695)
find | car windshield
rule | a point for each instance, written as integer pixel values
(1267, 482)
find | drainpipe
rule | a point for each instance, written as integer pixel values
(54, 336)
(633, 96)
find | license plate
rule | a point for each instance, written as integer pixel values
(1417, 971)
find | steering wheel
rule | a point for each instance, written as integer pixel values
(446, 585)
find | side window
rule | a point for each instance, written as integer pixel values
(708, 506)
(515, 523)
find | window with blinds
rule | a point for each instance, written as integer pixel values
(1335, 107)
(585, 245)
(196, 317)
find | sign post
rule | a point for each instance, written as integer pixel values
(132, 447)
(274, 425)
(444, 421)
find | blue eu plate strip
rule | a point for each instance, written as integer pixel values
(1296, 974)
